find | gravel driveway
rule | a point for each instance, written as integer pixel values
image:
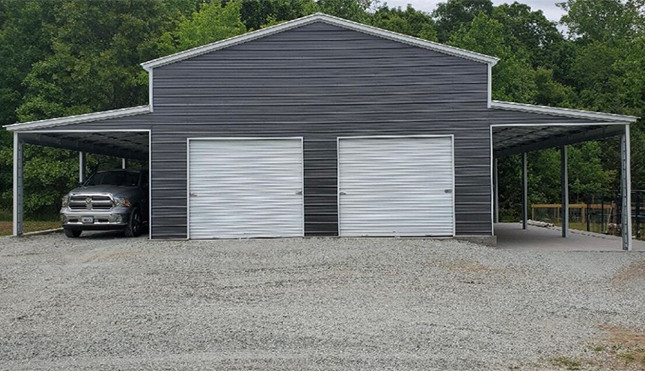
(102, 302)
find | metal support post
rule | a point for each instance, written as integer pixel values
(123, 163)
(82, 167)
(564, 171)
(496, 189)
(18, 188)
(626, 190)
(525, 191)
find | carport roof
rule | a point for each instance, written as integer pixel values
(509, 139)
(59, 132)
(87, 117)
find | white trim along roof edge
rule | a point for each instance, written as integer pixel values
(568, 112)
(370, 30)
(87, 117)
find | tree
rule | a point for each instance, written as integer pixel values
(74, 57)
(528, 30)
(212, 22)
(257, 13)
(605, 20)
(454, 14)
(410, 22)
(354, 10)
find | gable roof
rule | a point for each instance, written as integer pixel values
(320, 17)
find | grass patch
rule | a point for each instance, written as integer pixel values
(6, 227)
(621, 348)
(567, 363)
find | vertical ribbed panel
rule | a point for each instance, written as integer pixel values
(246, 188)
(396, 186)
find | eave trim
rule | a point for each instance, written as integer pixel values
(87, 117)
(319, 17)
(565, 112)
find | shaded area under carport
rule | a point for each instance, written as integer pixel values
(512, 236)
(125, 144)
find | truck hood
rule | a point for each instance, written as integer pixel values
(116, 191)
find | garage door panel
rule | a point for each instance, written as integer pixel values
(246, 188)
(396, 186)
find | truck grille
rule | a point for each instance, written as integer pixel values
(90, 203)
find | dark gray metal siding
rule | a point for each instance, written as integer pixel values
(320, 82)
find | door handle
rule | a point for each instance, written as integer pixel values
(193, 194)
(298, 192)
(448, 191)
(342, 193)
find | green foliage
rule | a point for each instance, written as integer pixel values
(454, 14)
(355, 10)
(212, 22)
(605, 20)
(409, 21)
(257, 14)
(528, 33)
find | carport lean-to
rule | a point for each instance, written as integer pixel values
(123, 142)
(346, 121)
(520, 138)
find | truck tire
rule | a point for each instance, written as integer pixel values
(134, 224)
(72, 233)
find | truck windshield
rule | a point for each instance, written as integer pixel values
(117, 178)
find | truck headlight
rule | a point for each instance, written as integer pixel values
(122, 201)
(65, 201)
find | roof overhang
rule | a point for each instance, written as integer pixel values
(320, 17)
(68, 120)
(562, 112)
(515, 138)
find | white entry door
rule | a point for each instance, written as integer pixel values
(245, 188)
(396, 186)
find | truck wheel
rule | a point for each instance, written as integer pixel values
(134, 225)
(72, 233)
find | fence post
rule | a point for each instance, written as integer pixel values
(588, 217)
(637, 195)
(602, 213)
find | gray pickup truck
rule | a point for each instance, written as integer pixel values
(113, 199)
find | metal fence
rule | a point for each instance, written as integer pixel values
(601, 213)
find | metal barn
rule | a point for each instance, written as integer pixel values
(322, 127)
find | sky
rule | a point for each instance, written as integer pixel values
(551, 12)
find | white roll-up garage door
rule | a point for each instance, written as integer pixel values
(245, 188)
(396, 186)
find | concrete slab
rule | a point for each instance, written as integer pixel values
(512, 236)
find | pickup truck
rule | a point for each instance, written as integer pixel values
(108, 200)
